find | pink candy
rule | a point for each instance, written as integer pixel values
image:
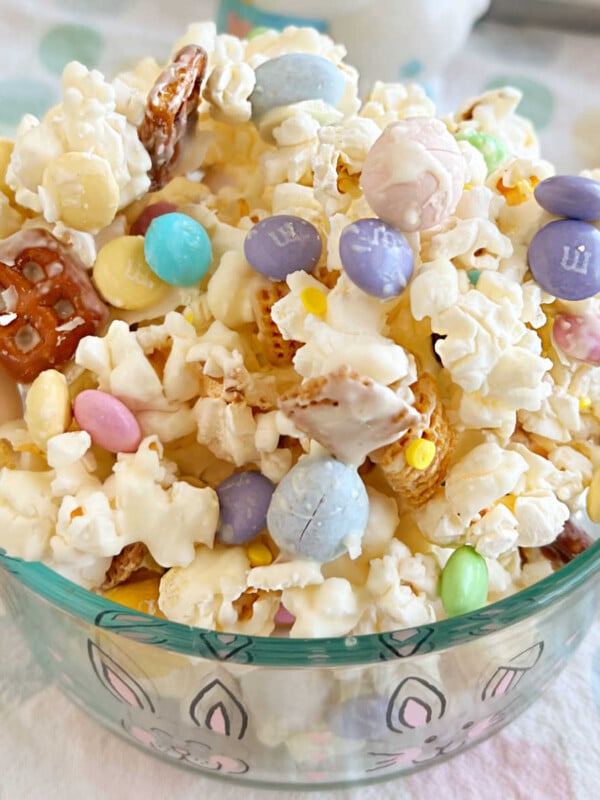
(414, 174)
(108, 421)
(578, 337)
(283, 616)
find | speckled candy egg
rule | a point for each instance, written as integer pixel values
(294, 77)
(570, 196)
(564, 258)
(376, 257)
(243, 500)
(578, 337)
(282, 244)
(414, 174)
(318, 508)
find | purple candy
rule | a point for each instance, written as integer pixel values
(570, 196)
(283, 244)
(244, 500)
(564, 258)
(376, 257)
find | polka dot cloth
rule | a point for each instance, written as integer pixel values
(64, 43)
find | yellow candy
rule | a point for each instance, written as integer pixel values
(259, 555)
(593, 498)
(47, 407)
(139, 595)
(585, 403)
(419, 453)
(509, 501)
(84, 190)
(123, 277)
(314, 301)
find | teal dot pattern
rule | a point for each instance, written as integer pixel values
(19, 96)
(538, 102)
(411, 69)
(64, 43)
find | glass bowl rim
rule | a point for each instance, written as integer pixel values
(100, 612)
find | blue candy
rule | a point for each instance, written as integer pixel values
(243, 501)
(177, 249)
(316, 507)
(564, 258)
(570, 196)
(293, 78)
(376, 257)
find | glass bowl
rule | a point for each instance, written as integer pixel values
(303, 713)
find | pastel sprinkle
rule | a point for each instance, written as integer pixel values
(419, 453)
(585, 403)
(259, 555)
(474, 275)
(314, 301)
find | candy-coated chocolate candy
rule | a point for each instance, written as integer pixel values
(108, 421)
(83, 189)
(123, 277)
(464, 582)
(295, 77)
(142, 223)
(282, 244)
(414, 174)
(319, 507)
(47, 406)
(493, 150)
(283, 616)
(564, 258)
(139, 595)
(578, 337)
(359, 718)
(419, 453)
(244, 500)
(177, 249)
(570, 196)
(376, 257)
(259, 555)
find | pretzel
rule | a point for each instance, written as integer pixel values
(132, 558)
(47, 304)
(172, 108)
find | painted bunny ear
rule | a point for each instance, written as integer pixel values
(414, 704)
(507, 676)
(118, 682)
(216, 708)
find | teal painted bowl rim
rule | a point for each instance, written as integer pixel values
(283, 652)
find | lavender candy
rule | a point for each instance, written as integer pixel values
(244, 500)
(564, 257)
(376, 257)
(283, 244)
(319, 507)
(570, 196)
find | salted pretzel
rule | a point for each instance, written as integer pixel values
(171, 108)
(47, 304)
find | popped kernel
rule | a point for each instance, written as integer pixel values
(593, 498)
(520, 193)
(314, 301)
(420, 453)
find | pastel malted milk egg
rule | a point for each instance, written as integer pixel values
(110, 424)
(177, 249)
(570, 196)
(464, 582)
(293, 78)
(142, 223)
(564, 258)
(414, 174)
(282, 244)
(376, 257)
(244, 501)
(578, 336)
(319, 507)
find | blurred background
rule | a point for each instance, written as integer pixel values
(547, 48)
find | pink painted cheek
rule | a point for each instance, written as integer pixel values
(109, 422)
(224, 763)
(142, 736)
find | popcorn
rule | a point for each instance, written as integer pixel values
(240, 372)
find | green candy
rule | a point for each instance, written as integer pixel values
(474, 275)
(257, 31)
(493, 150)
(464, 582)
